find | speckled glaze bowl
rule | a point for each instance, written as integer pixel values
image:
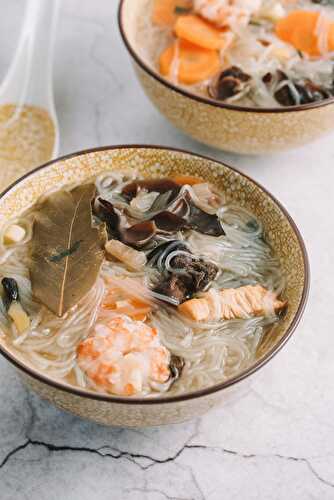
(280, 231)
(224, 126)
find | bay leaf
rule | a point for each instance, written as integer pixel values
(67, 251)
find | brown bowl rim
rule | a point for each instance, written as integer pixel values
(202, 392)
(203, 99)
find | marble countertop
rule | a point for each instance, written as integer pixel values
(278, 442)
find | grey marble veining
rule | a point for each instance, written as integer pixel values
(276, 443)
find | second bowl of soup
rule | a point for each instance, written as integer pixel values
(248, 77)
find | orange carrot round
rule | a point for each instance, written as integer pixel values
(199, 32)
(187, 179)
(300, 29)
(195, 63)
(285, 26)
(166, 59)
(165, 12)
(304, 37)
(331, 38)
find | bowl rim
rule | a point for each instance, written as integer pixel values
(201, 392)
(203, 99)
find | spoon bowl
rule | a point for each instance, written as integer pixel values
(27, 111)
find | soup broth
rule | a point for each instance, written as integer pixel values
(137, 286)
(257, 53)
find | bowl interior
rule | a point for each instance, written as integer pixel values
(153, 161)
(134, 22)
(135, 19)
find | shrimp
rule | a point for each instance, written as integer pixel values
(124, 357)
(225, 13)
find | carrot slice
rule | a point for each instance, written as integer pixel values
(166, 59)
(195, 63)
(134, 308)
(331, 38)
(304, 37)
(187, 179)
(299, 29)
(165, 12)
(285, 26)
(199, 32)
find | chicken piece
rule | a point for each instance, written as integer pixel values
(232, 303)
(124, 357)
(196, 309)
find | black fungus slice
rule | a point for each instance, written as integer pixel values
(236, 72)
(268, 78)
(282, 92)
(194, 218)
(106, 212)
(11, 300)
(230, 82)
(163, 185)
(168, 222)
(11, 292)
(311, 92)
(163, 200)
(305, 91)
(276, 77)
(176, 366)
(169, 201)
(205, 223)
(182, 214)
(139, 234)
(285, 96)
(180, 207)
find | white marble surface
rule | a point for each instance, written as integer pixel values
(278, 442)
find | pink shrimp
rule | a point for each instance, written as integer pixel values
(124, 357)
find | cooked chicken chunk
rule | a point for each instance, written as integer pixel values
(232, 303)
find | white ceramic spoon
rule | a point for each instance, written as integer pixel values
(29, 78)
